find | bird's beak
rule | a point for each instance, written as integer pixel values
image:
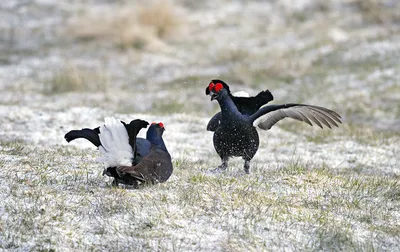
(213, 95)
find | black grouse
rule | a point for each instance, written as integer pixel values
(237, 134)
(246, 105)
(120, 147)
(156, 165)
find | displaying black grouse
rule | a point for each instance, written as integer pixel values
(147, 159)
(237, 134)
(246, 105)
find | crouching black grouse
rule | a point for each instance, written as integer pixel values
(237, 135)
(130, 160)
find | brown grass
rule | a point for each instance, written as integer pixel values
(162, 16)
(128, 26)
(73, 78)
(378, 11)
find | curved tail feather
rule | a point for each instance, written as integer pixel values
(133, 129)
(263, 98)
(92, 135)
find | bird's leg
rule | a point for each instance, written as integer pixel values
(247, 166)
(221, 167)
(224, 164)
(115, 182)
(135, 184)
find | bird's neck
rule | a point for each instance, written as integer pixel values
(155, 139)
(229, 109)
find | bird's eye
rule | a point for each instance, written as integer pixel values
(218, 87)
(211, 86)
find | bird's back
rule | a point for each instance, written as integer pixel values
(143, 146)
(156, 167)
(163, 166)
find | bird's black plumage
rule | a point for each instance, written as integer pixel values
(246, 105)
(92, 135)
(156, 166)
(151, 162)
(133, 128)
(237, 136)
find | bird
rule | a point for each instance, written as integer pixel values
(237, 133)
(156, 166)
(246, 105)
(126, 158)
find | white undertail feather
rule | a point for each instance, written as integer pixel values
(115, 149)
(241, 94)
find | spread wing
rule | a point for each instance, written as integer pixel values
(268, 116)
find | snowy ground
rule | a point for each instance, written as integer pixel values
(68, 64)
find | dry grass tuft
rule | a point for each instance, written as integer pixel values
(162, 16)
(73, 78)
(128, 26)
(378, 11)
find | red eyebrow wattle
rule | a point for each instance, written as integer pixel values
(211, 86)
(218, 87)
(161, 124)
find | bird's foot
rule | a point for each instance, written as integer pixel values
(135, 184)
(247, 166)
(221, 168)
(217, 170)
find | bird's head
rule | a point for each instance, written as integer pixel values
(157, 128)
(154, 134)
(217, 89)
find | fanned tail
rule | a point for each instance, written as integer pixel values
(263, 98)
(92, 135)
(115, 149)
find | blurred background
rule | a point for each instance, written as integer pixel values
(158, 56)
